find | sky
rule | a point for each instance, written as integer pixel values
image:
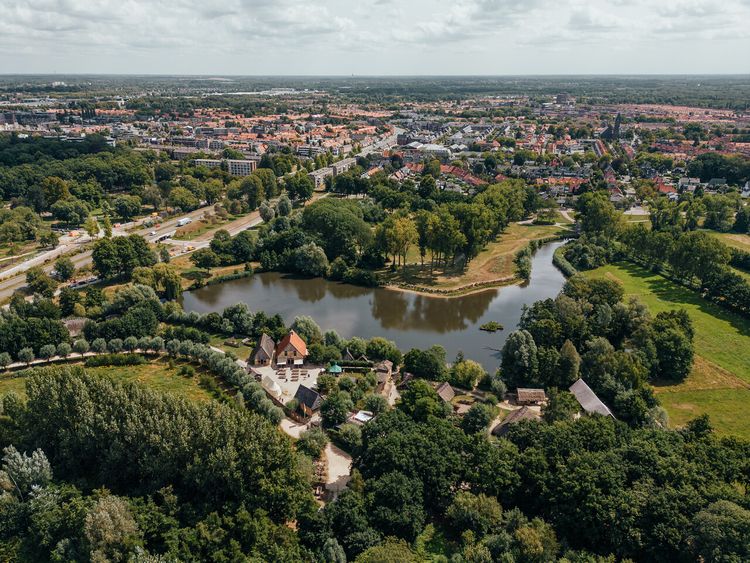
(375, 37)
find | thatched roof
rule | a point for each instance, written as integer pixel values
(306, 396)
(524, 413)
(531, 395)
(264, 348)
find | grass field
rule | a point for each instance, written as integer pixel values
(638, 219)
(189, 273)
(719, 383)
(738, 241)
(201, 226)
(735, 240)
(494, 263)
(560, 218)
(242, 351)
(157, 375)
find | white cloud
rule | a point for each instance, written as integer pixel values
(373, 36)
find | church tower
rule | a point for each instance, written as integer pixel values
(618, 123)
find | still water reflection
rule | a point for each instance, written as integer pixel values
(411, 320)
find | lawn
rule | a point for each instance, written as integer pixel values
(199, 227)
(560, 218)
(189, 272)
(645, 218)
(494, 264)
(727, 408)
(242, 351)
(738, 241)
(722, 345)
(157, 375)
(735, 240)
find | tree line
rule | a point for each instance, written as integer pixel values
(673, 247)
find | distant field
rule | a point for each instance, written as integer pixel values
(155, 375)
(720, 380)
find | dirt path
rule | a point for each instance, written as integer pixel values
(565, 213)
(338, 461)
(339, 468)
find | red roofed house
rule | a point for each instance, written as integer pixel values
(664, 188)
(291, 350)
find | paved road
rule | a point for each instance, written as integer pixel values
(383, 144)
(14, 278)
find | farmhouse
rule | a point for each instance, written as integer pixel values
(309, 400)
(446, 392)
(292, 350)
(524, 413)
(383, 371)
(264, 351)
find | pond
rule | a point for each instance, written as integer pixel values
(409, 319)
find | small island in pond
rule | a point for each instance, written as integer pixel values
(491, 326)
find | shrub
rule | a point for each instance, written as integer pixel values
(364, 278)
(115, 360)
(348, 437)
(312, 442)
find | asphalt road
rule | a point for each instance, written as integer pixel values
(14, 278)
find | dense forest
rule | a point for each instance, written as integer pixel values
(112, 471)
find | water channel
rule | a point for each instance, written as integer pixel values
(409, 319)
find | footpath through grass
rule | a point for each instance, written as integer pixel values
(719, 383)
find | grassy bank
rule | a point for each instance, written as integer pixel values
(719, 383)
(734, 240)
(493, 266)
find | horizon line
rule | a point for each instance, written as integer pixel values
(405, 75)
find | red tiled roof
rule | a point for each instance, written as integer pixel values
(294, 339)
(665, 189)
(463, 174)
